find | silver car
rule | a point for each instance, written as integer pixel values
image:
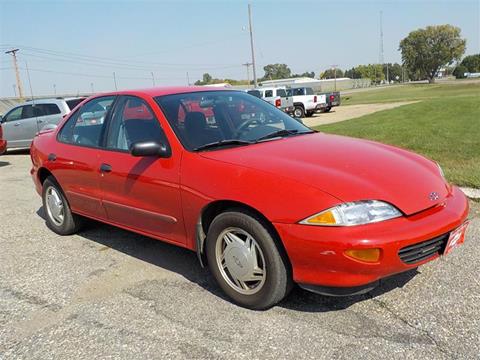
(22, 122)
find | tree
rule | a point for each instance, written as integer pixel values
(276, 71)
(330, 74)
(470, 63)
(206, 79)
(309, 74)
(373, 72)
(427, 50)
(394, 72)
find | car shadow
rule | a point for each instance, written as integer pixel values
(4, 163)
(24, 151)
(185, 263)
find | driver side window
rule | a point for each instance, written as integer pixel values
(15, 114)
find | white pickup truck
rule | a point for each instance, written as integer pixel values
(277, 97)
(305, 102)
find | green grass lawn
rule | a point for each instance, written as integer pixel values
(445, 128)
(413, 92)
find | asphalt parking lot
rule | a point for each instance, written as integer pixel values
(108, 293)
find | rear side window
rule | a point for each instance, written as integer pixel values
(281, 93)
(47, 109)
(309, 91)
(298, 92)
(28, 112)
(74, 102)
(86, 125)
(268, 93)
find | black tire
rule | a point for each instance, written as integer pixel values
(328, 108)
(71, 223)
(309, 113)
(299, 112)
(278, 279)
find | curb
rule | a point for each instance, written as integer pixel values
(471, 192)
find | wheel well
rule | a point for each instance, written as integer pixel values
(299, 104)
(217, 207)
(43, 173)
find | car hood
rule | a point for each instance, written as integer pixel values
(346, 168)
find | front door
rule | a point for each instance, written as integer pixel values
(140, 193)
(20, 126)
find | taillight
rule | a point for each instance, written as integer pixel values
(315, 99)
(332, 97)
(278, 102)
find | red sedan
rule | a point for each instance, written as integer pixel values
(264, 201)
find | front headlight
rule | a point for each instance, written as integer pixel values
(354, 213)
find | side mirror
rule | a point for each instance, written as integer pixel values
(150, 148)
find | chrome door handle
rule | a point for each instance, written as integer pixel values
(16, 124)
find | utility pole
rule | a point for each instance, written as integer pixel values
(247, 64)
(153, 79)
(14, 90)
(54, 89)
(115, 80)
(13, 52)
(388, 75)
(255, 83)
(91, 87)
(188, 79)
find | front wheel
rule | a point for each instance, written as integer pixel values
(59, 217)
(245, 261)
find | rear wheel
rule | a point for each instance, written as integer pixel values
(299, 112)
(245, 261)
(59, 217)
(328, 108)
(309, 113)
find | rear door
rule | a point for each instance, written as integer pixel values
(20, 126)
(48, 113)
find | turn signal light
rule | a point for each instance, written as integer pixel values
(365, 255)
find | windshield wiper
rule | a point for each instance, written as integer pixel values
(222, 143)
(283, 132)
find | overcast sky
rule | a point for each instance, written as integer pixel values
(74, 45)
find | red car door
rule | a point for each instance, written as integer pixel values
(77, 168)
(140, 193)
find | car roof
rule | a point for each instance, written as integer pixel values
(169, 90)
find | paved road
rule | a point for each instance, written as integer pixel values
(107, 293)
(347, 112)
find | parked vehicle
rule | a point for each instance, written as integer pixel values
(305, 102)
(254, 92)
(333, 99)
(277, 97)
(21, 123)
(264, 201)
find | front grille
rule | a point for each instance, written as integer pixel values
(421, 251)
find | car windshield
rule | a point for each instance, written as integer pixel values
(225, 118)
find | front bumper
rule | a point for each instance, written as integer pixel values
(317, 252)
